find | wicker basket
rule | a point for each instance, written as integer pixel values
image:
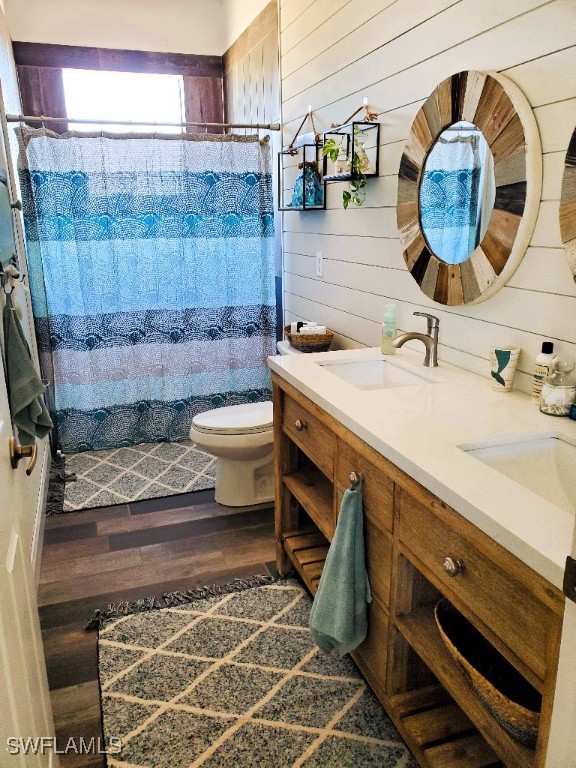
(309, 342)
(511, 700)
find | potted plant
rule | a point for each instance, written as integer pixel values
(354, 168)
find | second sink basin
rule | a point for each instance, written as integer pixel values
(545, 465)
(374, 374)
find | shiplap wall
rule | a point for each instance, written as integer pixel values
(335, 52)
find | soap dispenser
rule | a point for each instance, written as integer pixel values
(558, 389)
(388, 330)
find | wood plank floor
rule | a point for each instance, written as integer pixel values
(96, 557)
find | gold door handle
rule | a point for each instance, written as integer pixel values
(18, 452)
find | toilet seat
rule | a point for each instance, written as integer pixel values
(247, 418)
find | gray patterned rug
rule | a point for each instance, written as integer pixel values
(147, 471)
(235, 681)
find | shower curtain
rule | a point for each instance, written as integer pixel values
(449, 198)
(151, 269)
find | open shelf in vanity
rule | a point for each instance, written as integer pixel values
(408, 533)
(461, 732)
(307, 549)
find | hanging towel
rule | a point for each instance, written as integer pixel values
(25, 389)
(338, 616)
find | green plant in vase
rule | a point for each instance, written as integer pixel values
(334, 149)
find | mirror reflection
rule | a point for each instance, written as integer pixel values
(457, 191)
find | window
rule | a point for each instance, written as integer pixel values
(123, 96)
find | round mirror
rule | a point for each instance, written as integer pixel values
(457, 192)
(465, 222)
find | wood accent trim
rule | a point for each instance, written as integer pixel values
(492, 103)
(47, 55)
(568, 205)
(42, 93)
(252, 71)
(203, 102)
(265, 23)
(40, 73)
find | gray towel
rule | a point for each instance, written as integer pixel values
(25, 389)
(338, 616)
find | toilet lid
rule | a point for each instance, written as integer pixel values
(236, 419)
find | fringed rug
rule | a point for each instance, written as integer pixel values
(124, 475)
(235, 681)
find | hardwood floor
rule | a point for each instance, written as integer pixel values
(96, 557)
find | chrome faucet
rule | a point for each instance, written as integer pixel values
(429, 339)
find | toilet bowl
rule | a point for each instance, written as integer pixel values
(241, 438)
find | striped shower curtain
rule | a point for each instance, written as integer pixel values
(151, 269)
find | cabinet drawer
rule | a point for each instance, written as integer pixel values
(492, 583)
(378, 549)
(309, 434)
(377, 487)
(373, 652)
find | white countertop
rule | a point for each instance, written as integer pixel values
(419, 428)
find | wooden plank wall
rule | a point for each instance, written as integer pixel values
(252, 95)
(40, 67)
(335, 52)
(251, 72)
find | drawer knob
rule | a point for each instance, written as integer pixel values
(453, 566)
(300, 424)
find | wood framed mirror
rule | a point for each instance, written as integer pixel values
(568, 205)
(469, 187)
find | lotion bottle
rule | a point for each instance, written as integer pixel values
(388, 330)
(542, 368)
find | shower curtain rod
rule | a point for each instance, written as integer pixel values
(43, 119)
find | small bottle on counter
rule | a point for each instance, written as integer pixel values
(388, 330)
(542, 369)
(558, 390)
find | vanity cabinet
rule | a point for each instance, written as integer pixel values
(409, 534)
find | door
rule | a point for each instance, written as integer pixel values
(25, 710)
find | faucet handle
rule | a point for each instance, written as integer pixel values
(432, 320)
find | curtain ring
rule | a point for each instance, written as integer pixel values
(42, 121)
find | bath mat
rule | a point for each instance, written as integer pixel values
(235, 681)
(147, 471)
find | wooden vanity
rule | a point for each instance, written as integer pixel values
(409, 533)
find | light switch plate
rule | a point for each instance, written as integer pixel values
(319, 264)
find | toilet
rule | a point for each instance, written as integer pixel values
(241, 438)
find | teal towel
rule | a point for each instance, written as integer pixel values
(25, 389)
(338, 616)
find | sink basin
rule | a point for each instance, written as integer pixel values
(545, 465)
(374, 374)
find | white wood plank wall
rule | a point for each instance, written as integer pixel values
(335, 52)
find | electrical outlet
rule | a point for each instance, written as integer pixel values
(319, 263)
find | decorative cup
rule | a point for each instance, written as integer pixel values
(503, 362)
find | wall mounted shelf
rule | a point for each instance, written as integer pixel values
(300, 186)
(359, 155)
